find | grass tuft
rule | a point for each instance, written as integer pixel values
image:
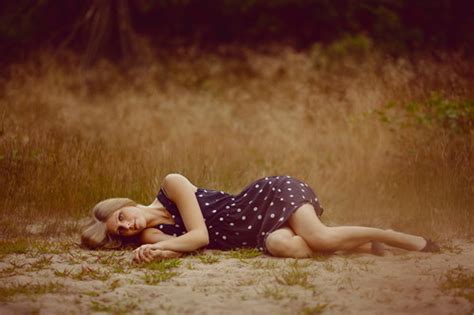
(18, 246)
(29, 289)
(460, 282)
(244, 253)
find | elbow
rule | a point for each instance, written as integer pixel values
(204, 240)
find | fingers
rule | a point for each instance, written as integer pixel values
(142, 254)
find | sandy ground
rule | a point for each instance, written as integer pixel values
(61, 278)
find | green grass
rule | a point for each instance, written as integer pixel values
(317, 309)
(294, 276)
(153, 278)
(29, 289)
(274, 292)
(208, 259)
(17, 246)
(161, 265)
(244, 253)
(90, 273)
(41, 263)
(262, 263)
(460, 282)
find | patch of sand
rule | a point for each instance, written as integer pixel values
(82, 282)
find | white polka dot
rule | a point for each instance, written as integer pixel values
(288, 176)
(277, 177)
(244, 217)
(302, 190)
(217, 233)
(281, 199)
(231, 223)
(250, 202)
(260, 248)
(237, 233)
(233, 204)
(200, 195)
(292, 203)
(256, 186)
(270, 182)
(287, 181)
(304, 196)
(260, 190)
(263, 233)
(238, 209)
(177, 225)
(250, 227)
(173, 216)
(244, 243)
(306, 185)
(227, 207)
(161, 226)
(281, 219)
(273, 188)
(266, 178)
(265, 198)
(232, 199)
(271, 203)
(210, 226)
(315, 199)
(279, 190)
(221, 219)
(222, 192)
(289, 189)
(224, 237)
(272, 215)
(291, 196)
(284, 209)
(207, 203)
(259, 217)
(214, 211)
(255, 208)
(205, 190)
(245, 194)
(301, 184)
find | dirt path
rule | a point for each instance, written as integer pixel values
(60, 278)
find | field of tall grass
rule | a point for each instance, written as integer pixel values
(383, 141)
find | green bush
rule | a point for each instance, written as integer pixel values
(438, 112)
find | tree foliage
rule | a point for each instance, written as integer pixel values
(107, 26)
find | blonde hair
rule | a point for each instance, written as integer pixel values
(95, 235)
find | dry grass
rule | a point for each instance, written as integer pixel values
(70, 137)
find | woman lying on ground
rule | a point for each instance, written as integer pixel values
(276, 214)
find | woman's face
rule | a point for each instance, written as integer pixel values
(126, 221)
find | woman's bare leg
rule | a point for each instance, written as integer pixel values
(305, 223)
(285, 243)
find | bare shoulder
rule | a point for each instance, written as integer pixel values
(175, 182)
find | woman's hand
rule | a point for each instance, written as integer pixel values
(149, 252)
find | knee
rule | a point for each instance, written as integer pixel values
(322, 240)
(278, 245)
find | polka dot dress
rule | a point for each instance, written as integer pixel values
(246, 219)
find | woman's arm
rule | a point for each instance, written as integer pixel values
(182, 193)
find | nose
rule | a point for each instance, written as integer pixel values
(127, 225)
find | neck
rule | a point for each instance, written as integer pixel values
(155, 215)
